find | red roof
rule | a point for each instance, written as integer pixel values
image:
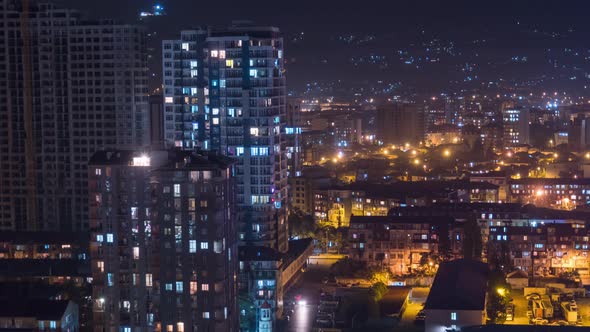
(265, 305)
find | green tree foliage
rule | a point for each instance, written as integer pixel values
(378, 290)
(472, 244)
(330, 238)
(348, 267)
(301, 225)
(498, 297)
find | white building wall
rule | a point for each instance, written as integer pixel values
(440, 320)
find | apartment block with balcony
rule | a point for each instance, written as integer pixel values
(398, 243)
(164, 245)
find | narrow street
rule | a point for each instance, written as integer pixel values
(308, 288)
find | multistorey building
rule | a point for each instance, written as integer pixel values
(164, 247)
(224, 90)
(516, 126)
(400, 124)
(69, 87)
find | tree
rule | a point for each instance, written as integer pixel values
(498, 297)
(472, 244)
(378, 290)
(330, 238)
(301, 225)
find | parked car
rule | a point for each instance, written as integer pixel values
(420, 318)
(540, 321)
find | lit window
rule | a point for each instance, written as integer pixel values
(168, 287)
(229, 63)
(206, 314)
(193, 287)
(179, 287)
(53, 325)
(148, 280)
(214, 53)
(215, 121)
(204, 245)
(192, 246)
(97, 171)
(110, 238)
(100, 265)
(177, 190)
(253, 73)
(205, 287)
(169, 100)
(185, 46)
(99, 238)
(110, 280)
(453, 316)
(194, 64)
(215, 111)
(136, 253)
(254, 131)
(239, 151)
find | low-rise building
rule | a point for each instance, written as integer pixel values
(260, 284)
(561, 193)
(457, 297)
(398, 243)
(38, 315)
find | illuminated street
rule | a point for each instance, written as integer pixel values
(308, 287)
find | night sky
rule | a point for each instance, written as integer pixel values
(508, 29)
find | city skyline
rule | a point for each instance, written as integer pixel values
(383, 46)
(230, 166)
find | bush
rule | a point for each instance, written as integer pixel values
(378, 290)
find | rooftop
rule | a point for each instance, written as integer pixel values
(44, 237)
(459, 285)
(40, 309)
(400, 220)
(258, 253)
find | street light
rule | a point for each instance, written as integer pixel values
(501, 291)
(447, 153)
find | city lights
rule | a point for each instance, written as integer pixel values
(307, 178)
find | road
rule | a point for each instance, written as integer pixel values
(308, 287)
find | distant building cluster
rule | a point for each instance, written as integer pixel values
(534, 240)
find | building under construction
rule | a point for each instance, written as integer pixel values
(68, 87)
